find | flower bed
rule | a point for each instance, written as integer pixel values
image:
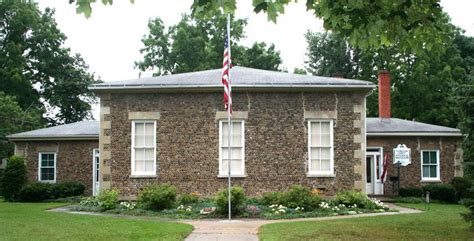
(281, 207)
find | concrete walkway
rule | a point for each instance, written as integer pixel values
(239, 229)
(247, 229)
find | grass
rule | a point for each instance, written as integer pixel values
(30, 221)
(440, 222)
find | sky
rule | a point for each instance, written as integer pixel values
(109, 41)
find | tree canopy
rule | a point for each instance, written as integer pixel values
(411, 25)
(423, 84)
(198, 44)
(37, 69)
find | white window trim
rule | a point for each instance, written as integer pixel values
(233, 174)
(143, 174)
(39, 167)
(438, 176)
(329, 173)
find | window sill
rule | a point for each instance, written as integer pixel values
(232, 176)
(320, 175)
(432, 180)
(142, 176)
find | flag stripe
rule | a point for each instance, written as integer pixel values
(226, 65)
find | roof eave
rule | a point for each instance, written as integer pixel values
(414, 134)
(292, 87)
(53, 138)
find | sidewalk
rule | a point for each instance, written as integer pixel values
(247, 229)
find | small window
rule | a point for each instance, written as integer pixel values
(143, 148)
(320, 147)
(47, 167)
(237, 148)
(430, 165)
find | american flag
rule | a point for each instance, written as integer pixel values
(226, 65)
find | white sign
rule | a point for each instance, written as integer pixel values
(401, 155)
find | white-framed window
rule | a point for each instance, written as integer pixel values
(47, 167)
(320, 148)
(430, 165)
(143, 148)
(237, 148)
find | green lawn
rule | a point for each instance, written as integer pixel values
(441, 222)
(29, 221)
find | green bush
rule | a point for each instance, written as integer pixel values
(67, 189)
(271, 198)
(299, 196)
(461, 187)
(411, 192)
(157, 197)
(1, 176)
(351, 197)
(237, 200)
(14, 178)
(469, 204)
(441, 192)
(187, 198)
(36, 192)
(409, 200)
(108, 199)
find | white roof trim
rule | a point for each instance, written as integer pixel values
(53, 138)
(413, 134)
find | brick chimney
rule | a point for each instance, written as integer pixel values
(384, 94)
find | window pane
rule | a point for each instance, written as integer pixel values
(315, 134)
(149, 134)
(149, 165)
(236, 134)
(236, 166)
(315, 165)
(426, 171)
(326, 139)
(433, 157)
(236, 153)
(139, 165)
(44, 157)
(149, 154)
(47, 174)
(139, 131)
(44, 163)
(325, 165)
(315, 152)
(325, 153)
(325, 128)
(426, 157)
(139, 154)
(433, 171)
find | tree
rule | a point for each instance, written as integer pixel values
(36, 69)
(14, 120)
(423, 84)
(411, 25)
(198, 44)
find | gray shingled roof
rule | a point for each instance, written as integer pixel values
(400, 127)
(83, 130)
(242, 77)
(375, 127)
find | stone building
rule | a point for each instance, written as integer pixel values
(286, 129)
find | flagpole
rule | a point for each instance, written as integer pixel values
(229, 121)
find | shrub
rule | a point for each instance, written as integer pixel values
(14, 178)
(190, 198)
(461, 187)
(237, 200)
(299, 196)
(108, 199)
(442, 192)
(1, 176)
(409, 200)
(271, 198)
(411, 192)
(157, 197)
(351, 197)
(469, 204)
(67, 189)
(35, 192)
